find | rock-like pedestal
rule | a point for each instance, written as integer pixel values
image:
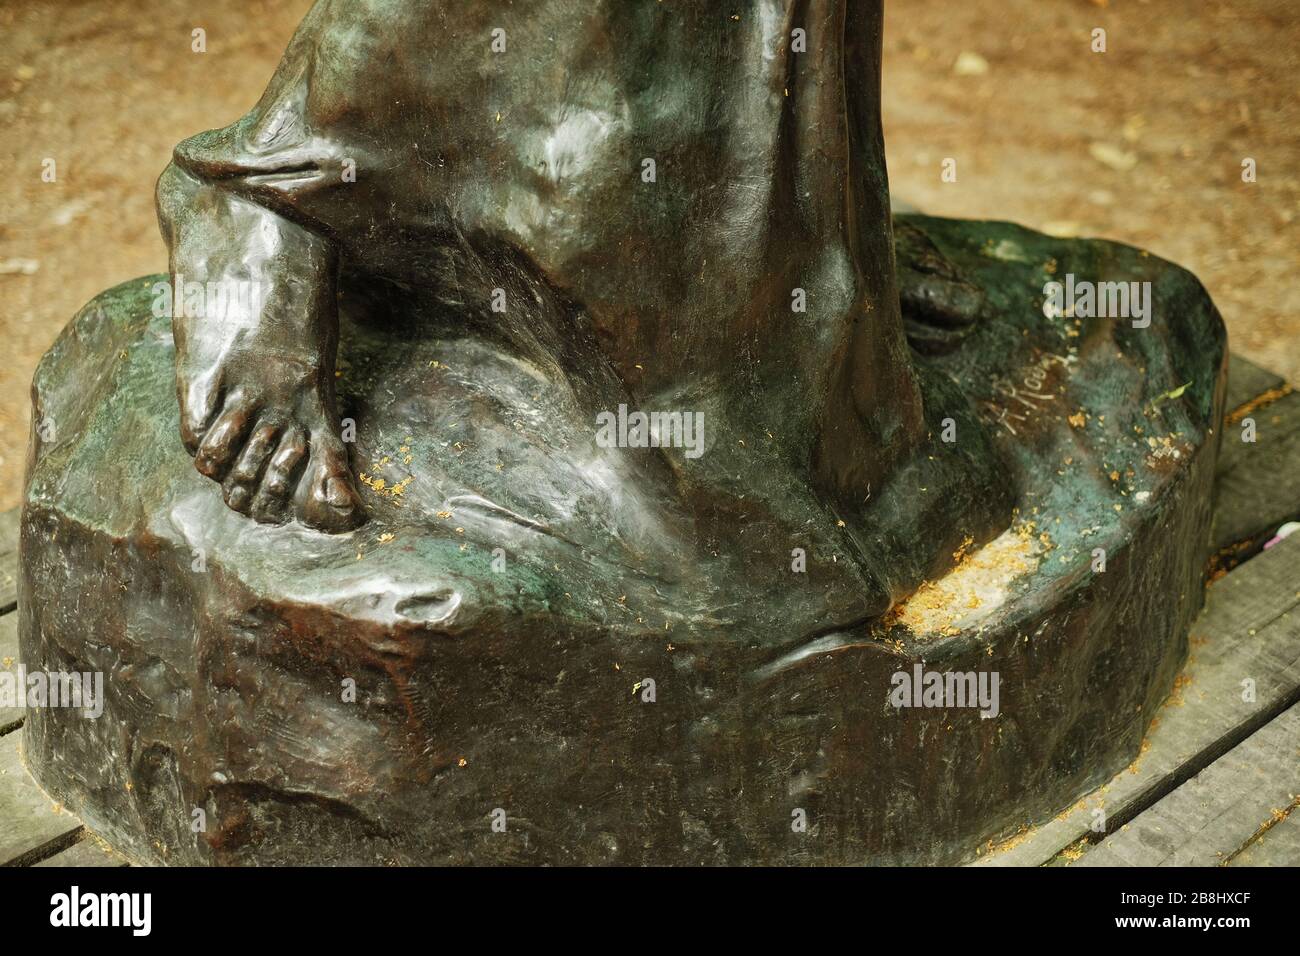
(475, 680)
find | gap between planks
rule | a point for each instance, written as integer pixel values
(1211, 819)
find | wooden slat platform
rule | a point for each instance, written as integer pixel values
(34, 828)
(1209, 819)
(1257, 487)
(1217, 783)
(90, 851)
(10, 717)
(1247, 381)
(1279, 845)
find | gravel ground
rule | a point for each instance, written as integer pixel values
(1143, 143)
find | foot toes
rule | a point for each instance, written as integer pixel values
(279, 475)
(198, 403)
(241, 482)
(272, 497)
(328, 501)
(238, 497)
(256, 452)
(224, 439)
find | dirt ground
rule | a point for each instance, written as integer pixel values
(1143, 143)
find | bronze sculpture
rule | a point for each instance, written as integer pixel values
(474, 232)
(769, 181)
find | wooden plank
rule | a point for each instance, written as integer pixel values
(1258, 484)
(33, 827)
(1206, 820)
(1279, 845)
(89, 851)
(1250, 630)
(1249, 389)
(8, 560)
(1246, 380)
(11, 718)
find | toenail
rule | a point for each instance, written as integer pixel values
(336, 493)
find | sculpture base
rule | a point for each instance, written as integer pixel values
(473, 680)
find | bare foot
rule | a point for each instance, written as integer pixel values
(255, 349)
(267, 434)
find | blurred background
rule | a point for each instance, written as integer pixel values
(1143, 144)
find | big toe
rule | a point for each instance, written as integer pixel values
(198, 398)
(328, 501)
